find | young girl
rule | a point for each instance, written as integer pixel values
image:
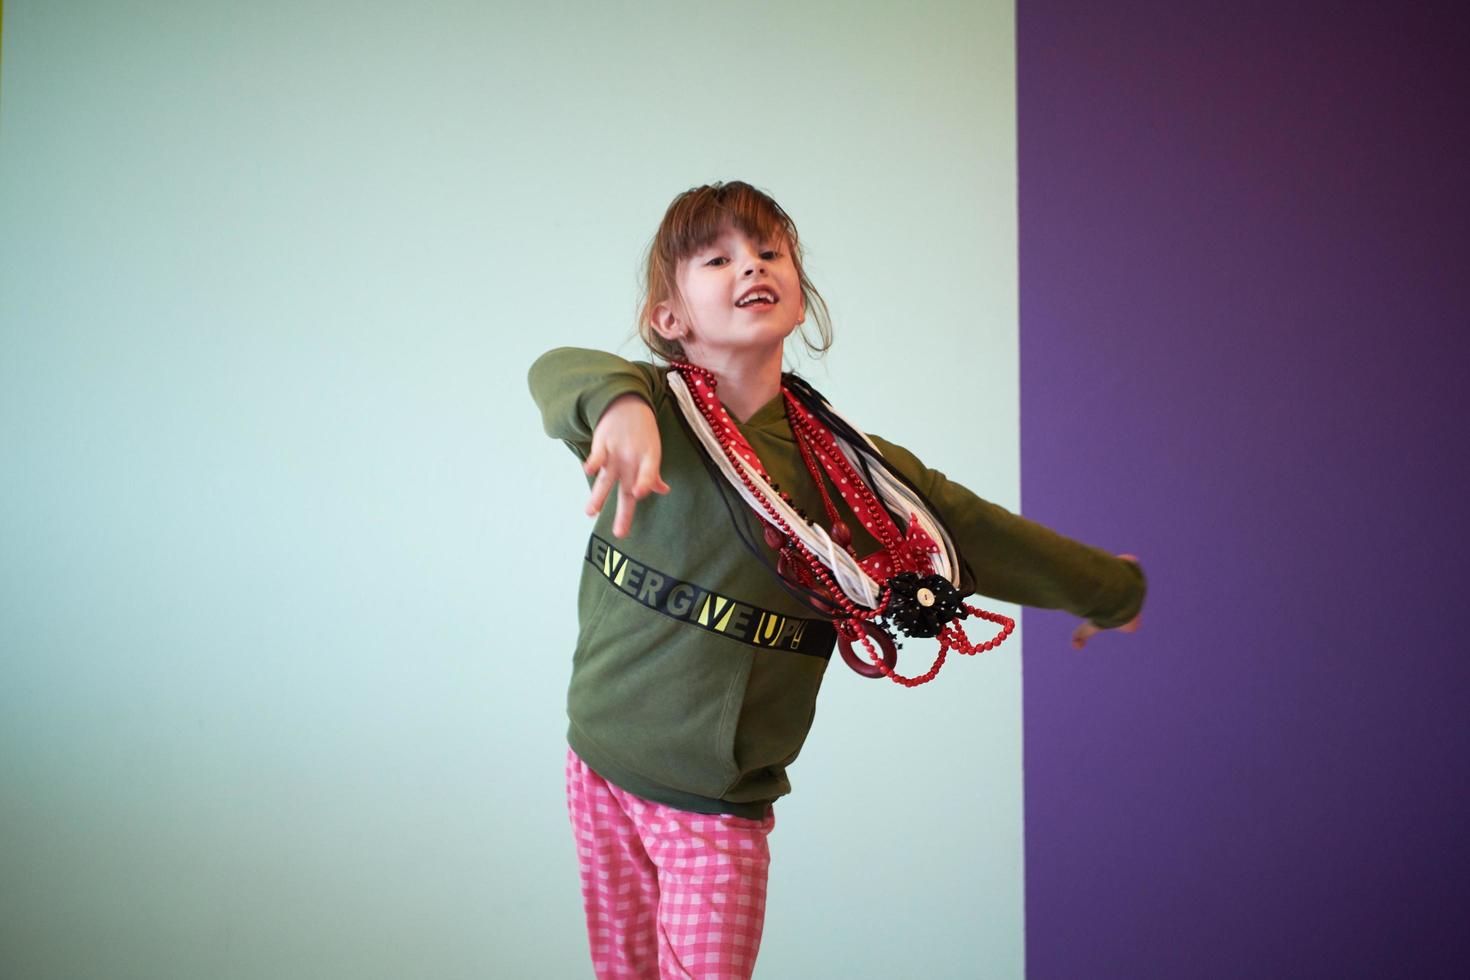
(708, 622)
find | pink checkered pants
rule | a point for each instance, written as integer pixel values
(668, 893)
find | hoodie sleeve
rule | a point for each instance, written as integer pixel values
(573, 386)
(1020, 561)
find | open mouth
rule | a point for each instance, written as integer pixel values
(758, 298)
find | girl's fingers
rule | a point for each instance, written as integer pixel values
(1087, 631)
(595, 459)
(624, 518)
(1082, 634)
(600, 490)
(648, 478)
(614, 469)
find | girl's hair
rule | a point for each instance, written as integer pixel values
(694, 220)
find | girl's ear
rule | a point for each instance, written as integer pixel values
(667, 323)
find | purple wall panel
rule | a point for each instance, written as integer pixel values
(1245, 348)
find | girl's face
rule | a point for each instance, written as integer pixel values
(718, 283)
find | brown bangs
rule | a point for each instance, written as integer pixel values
(694, 220)
(698, 217)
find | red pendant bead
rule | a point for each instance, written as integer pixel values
(775, 538)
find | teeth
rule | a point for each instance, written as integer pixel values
(755, 296)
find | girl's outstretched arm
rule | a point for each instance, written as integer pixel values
(1017, 560)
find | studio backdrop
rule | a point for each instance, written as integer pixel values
(287, 587)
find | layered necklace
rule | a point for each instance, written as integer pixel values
(911, 585)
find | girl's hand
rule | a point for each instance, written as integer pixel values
(625, 450)
(1086, 631)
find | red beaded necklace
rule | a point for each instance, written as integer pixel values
(912, 597)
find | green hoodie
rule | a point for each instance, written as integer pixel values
(695, 676)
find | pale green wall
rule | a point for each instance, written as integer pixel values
(288, 567)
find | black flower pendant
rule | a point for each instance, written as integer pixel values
(922, 606)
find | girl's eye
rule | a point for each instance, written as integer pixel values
(770, 255)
